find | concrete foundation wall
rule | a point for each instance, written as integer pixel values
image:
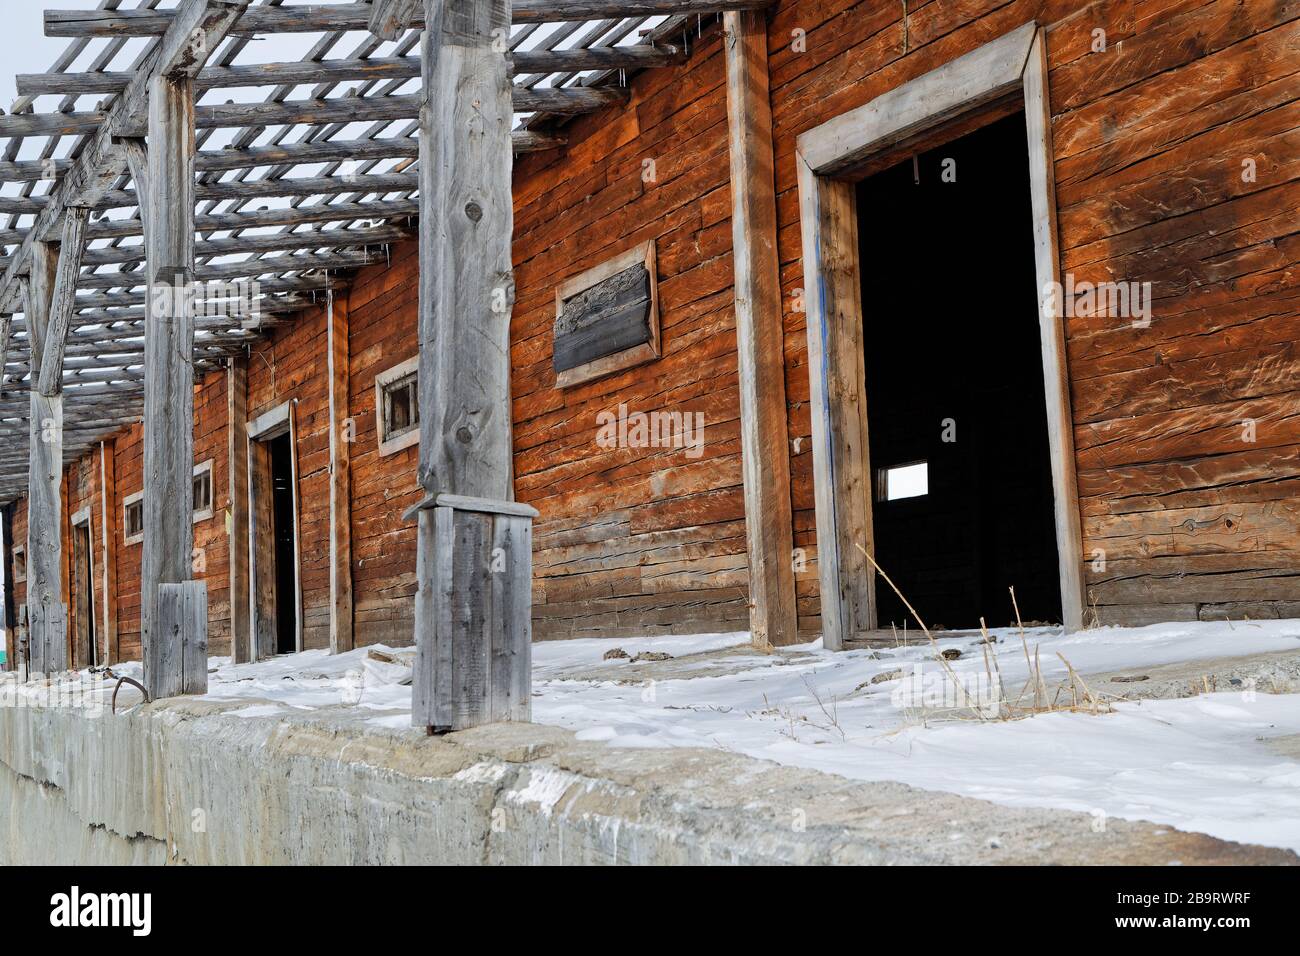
(182, 783)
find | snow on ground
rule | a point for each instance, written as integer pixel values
(1195, 764)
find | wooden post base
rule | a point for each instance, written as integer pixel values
(473, 613)
(47, 638)
(179, 662)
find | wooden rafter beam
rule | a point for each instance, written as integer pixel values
(318, 18)
(117, 300)
(260, 219)
(269, 265)
(249, 189)
(569, 100)
(101, 161)
(277, 242)
(328, 151)
(340, 71)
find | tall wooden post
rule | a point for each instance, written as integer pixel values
(168, 210)
(765, 451)
(46, 613)
(341, 433)
(237, 467)
(472, 620)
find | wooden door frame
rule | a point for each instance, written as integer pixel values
(83, 519)
(831, 159)
(281, 420)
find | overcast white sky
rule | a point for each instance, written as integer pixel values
(24, 47)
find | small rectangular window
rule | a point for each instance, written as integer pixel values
(133, 519)
(904, 481)
(20, 565)
(202, 487)
(402, 408)
(397, 406)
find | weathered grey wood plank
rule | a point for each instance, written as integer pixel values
(391, 18)
(47, 635)
(252, 189)
(108, 530)
(1047, 264)
(467, 287)
(237, 461)
(836, 370)
(566, 101)
(298, 72)
(327, 151)
(357, 16)
(181, 667)
(466, 298)
(169, 374)
(340, 444)
(760, 341)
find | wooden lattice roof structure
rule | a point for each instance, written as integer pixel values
(305, 167)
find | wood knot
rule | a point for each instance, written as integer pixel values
(474, 211)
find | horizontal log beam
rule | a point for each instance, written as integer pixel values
(566, 101)
(121, 300)
(276, 242)
(356, 16)
(304, 72)
(329, 151)
(268, 265)
(261, 219)
(249, 189)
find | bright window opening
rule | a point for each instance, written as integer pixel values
(905, 481)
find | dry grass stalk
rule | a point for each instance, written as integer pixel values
(952, 674)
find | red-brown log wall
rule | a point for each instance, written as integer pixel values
(1150, 136)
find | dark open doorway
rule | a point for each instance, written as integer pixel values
(286, 557)
(85, 653)
(957, 422)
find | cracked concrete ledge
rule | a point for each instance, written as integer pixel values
(179, 782)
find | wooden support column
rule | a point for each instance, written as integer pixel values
(341, 434)
(168, 208)
(46, 612)
(466, 297)
(237, 522)
(109, 539)
(765, 450)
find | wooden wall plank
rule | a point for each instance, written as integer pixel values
(110, 540)
(765, 453)
(342, 436)
(237, 458)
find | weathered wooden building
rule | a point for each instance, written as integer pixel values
(782, 308)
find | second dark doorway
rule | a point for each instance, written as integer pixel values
(286, 556)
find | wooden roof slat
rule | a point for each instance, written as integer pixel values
(377, 68)
(317, 18)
